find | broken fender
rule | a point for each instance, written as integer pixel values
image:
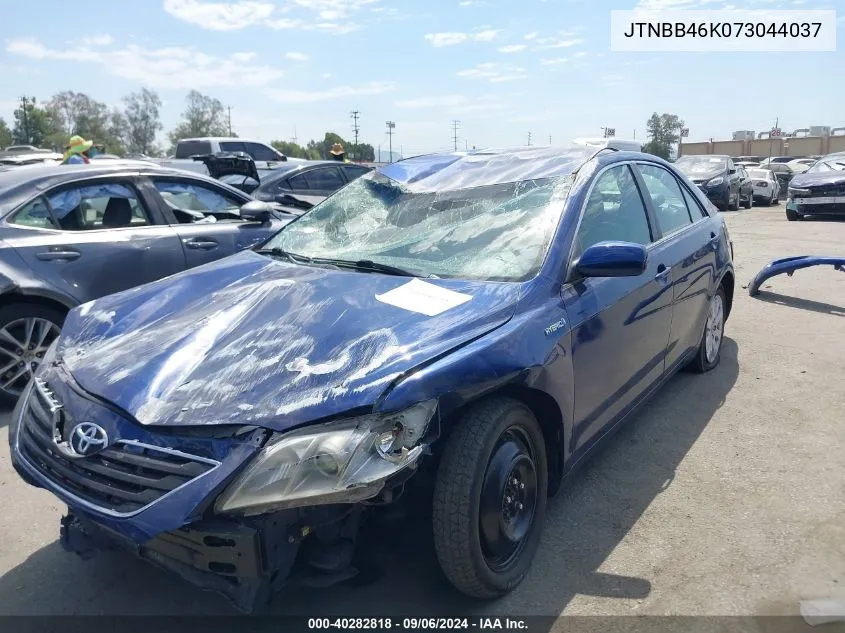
(789, 265)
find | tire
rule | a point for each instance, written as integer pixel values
(750, 202)
(792, 216)
(734, 206)
(704, 361)
(15, 319)
(471, 492)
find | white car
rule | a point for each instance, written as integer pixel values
(748, 164)
(800, 165)
(766, 186)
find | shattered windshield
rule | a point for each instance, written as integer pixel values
(700, 165)
(498, 232)
(830, 164)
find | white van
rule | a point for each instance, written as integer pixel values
(613, 143)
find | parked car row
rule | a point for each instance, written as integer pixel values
(415, 342)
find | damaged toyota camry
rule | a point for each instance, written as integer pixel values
(453, 332)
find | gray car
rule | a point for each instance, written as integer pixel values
(70, 234)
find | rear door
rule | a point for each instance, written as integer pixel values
(323, 181)
(206, 218)
(95, 238)
(688, 244)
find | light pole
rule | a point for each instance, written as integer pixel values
(390, 127)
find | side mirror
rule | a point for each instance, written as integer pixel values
(257, 211)
(612, 259)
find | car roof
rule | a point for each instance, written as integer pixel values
(42, 176)
(478, 168)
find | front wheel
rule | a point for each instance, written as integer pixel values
(26, 331)
(490, 498)
(792, 216)
(750, 202)
(734, 206)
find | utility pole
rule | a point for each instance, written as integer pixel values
(229, 109)
(529, 139)
(26, 102)
(777, 120)
(355, 129)
(466, 144)
(390, 127)
(455, 125)
(550, 139)
(295, 138)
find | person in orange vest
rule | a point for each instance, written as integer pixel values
(76, 151)
(337, 153)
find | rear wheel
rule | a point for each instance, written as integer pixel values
(734, 206)
(26, 331)
(750, 202)
(490, 498)
(710, 346)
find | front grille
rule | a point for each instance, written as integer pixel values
(826, 191)
(121, 479)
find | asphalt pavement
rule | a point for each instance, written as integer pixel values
(724, 496)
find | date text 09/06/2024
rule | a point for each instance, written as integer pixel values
(417, 624)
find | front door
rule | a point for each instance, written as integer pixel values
(207, 219)
(91, 240)
(619, 325)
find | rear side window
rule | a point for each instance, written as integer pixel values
(232, 146)
(186, 149)
(325, 179)
(261, 152)
(35, 214)
(105, 206)
(298, 183)
(669, 204)
(693, 205)
(353, 172)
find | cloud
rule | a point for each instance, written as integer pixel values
(612, 81)
(433, 102)
(495, 73)
(513, 48)
(316, 15)
(100, 40)
(170, 68)
(556, 61)
(308, 96)
(531, 36)
(550, 42)
(297, 57)
(452, 38)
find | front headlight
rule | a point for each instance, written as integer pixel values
(713, 182)
(797, 193)
(337, 462)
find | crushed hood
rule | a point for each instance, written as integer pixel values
(253, 340)
(818, 178)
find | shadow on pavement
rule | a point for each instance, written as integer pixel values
(802, 304)
(585, 523)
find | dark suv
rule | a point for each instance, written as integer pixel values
(717, 177)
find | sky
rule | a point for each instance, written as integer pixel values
(503, 69)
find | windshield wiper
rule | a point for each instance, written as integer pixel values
(279, 252)
(369, 265)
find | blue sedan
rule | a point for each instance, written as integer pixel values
(451, 334)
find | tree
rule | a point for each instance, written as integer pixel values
(290, 149)
(365, 151)
(77, 113)
(6, 137)
(204, 116)
(142, 121)
(664, 131)
(35, 126)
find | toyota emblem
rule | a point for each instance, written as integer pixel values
(87, 438)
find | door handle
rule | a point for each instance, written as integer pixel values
(205, 245)
(714, 241)
(57, 253)
(662, 272)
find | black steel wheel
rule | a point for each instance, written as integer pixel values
(490, 498)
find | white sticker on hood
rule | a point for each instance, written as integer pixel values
(422, 297)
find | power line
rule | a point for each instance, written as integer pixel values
(355, 129)
(455, 125)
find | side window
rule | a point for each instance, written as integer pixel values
(614, 211)
(693, 205)
(186, 149)
(261, 152)
(104, 206)
(353, 172)
(194, 202)
(325, 179)
(232, 146)
(299, 183)
(35, 214)
(666, 197)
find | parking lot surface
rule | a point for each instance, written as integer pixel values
(723, 497)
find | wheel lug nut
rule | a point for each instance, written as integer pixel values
(521, 486)
(519, 506)
(508, 500)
